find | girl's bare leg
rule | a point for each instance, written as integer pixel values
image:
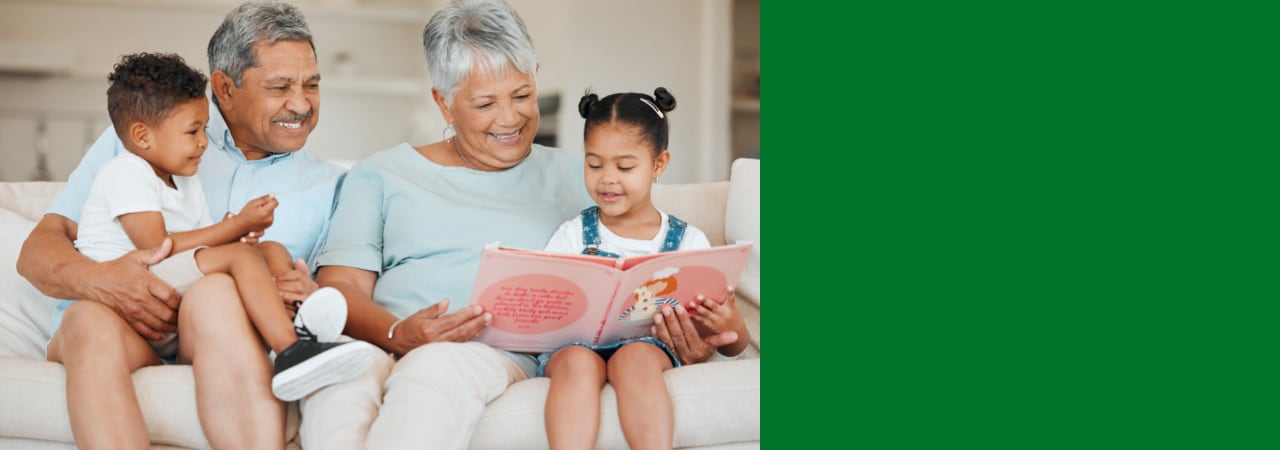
(573, 402)
(644, 405)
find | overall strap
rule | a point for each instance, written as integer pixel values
(591, 233)
(675, 234)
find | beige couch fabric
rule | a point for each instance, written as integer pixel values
(716, 404)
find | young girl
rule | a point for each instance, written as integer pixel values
(626, 152)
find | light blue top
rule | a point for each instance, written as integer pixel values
(305, 186)
(421, 226)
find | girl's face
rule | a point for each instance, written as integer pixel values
(496, 117)
(620, 170)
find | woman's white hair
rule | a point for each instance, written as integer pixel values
(475, 34)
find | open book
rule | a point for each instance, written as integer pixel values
(541, 300)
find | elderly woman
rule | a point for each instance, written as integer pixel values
(411, 222)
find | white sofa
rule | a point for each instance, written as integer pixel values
(717, 405)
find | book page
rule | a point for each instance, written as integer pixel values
(542, 300)
(671, 279)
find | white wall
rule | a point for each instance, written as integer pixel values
(382, 97)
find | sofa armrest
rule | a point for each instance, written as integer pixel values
(29, 199)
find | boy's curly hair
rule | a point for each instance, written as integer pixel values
(145, 87)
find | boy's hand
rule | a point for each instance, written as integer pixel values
(258, 214)
(251, 237)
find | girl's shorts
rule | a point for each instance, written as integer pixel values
(606, 351)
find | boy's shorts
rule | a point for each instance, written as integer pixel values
(179, 271)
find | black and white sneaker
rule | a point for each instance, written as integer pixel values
(308, 365)
(323, 313)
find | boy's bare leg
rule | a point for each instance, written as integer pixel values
(644, 405)
(257, 289)
(233, 376)
(279, 261)
(100, 351)
(573, 402)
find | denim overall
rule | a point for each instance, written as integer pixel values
(591, 240)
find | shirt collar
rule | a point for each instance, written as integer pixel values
(220, 135)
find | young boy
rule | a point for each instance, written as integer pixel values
(150, 193)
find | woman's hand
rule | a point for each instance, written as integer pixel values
(674, 328)
(433, 325)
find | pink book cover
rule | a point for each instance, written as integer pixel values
(541, 300)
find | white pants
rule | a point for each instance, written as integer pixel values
(338, 416)
(434, 397)
(437, 393)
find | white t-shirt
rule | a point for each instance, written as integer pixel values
(568, 239)
(128, 184)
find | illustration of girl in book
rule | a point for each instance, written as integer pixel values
(648, 300)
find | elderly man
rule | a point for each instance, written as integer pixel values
(265, 87)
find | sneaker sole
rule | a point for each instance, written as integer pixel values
(336, 365)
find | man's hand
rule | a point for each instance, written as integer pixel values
(677, 330)
(126, 285)
(296, 285)
(432, 325)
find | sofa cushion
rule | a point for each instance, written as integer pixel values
(715, 403)
(34, 390)
(742, 223)
(689, 203)
(35, 397)
(24, 312)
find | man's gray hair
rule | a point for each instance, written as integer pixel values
(231, 49)
(467, 34)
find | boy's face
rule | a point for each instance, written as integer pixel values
(179, 140)
(620, 170)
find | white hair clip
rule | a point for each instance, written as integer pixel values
(655, 107)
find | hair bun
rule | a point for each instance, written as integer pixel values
(666, 102)
(587, 103)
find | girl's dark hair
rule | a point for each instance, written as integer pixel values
(145, 87)
(647, 114)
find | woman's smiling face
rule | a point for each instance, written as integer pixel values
(495, 116)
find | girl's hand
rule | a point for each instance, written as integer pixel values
(722, 318)
(715, 316)
(673, 327)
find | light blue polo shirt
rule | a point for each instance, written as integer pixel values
(305, 186)
(421, 226)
